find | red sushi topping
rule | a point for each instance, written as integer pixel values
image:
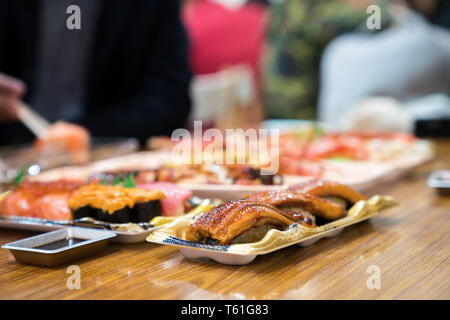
(173, 204)
(46, 200)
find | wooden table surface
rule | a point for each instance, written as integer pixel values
(409, 244)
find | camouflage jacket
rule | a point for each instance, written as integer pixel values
(298, 33)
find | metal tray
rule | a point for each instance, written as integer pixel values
(59, 246)
(130, 233)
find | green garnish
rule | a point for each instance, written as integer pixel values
(300, 134)
(20, 175)
(129, 182)
(305, 133)
(104, 181)
(318, 131)
(116, 180)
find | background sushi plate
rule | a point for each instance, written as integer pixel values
(15, 158)
(359, 175)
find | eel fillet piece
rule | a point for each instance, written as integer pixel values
(292, 202)
(231, 219)
(323, 188)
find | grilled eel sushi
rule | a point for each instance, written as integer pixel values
(325, 199)
(248, 220)
(289, 201)
(329, 190)
(241, 221)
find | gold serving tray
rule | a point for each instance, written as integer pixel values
(238, 254)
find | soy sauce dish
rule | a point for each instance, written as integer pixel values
(59, 246)
(440, 181)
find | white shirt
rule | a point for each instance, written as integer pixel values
(409, 60)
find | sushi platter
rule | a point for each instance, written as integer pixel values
(146, 196)
(13, 158)
(232, 233)
(219, 181)
(131, 213)
(240, 254)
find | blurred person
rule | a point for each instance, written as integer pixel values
(124, 73)
(401, 65)
(226, 39)
(435, 11)
(298, 33)
(224, 33)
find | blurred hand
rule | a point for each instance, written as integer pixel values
(11, 92)
(379, 114)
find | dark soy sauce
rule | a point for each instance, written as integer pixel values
(59, 244)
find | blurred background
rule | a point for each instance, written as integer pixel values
(144, 68)
(318, 60)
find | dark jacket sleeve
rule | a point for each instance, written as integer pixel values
(5, 36)
(160, 102)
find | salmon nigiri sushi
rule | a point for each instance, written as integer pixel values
(65, 137)
(53, 207)
(16, 204)
(46, 200)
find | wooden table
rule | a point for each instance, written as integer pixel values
(409, 243)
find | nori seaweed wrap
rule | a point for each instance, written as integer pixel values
(115, 204)
(85, 211)
(146, 211)
(119, 216)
